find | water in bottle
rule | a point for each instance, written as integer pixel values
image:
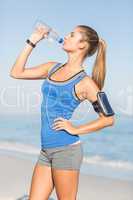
(52, 34)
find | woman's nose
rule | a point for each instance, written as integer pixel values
(65, 38)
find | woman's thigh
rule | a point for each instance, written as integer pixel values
(66, 183)
(42, 182)
(66, 163)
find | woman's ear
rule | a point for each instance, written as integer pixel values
(83, 45)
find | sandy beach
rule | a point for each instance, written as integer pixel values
(16, 173)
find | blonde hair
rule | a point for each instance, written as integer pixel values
(99, 45)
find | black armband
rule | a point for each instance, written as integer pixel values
(102, 104)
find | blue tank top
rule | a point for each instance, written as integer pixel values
(59, 100)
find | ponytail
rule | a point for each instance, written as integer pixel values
(99, 68)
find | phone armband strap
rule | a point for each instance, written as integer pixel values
(102, 104)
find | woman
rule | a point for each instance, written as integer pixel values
(65, 87)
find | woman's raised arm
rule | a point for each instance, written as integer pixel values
(19, 71)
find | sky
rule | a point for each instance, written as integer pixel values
(111, 19)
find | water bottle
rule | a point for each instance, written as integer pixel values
(52, 34)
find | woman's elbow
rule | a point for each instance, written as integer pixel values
(107, 120)
(111, 120)
(13, 75)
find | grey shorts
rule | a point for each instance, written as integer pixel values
(66, 157)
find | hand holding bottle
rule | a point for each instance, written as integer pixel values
(43, 30)
(38, 34)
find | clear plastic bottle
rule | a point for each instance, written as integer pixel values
(52, 34)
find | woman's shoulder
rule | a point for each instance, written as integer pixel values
(52, 64)
(89, 84)
(88, 80)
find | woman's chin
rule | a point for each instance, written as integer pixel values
(63, 47)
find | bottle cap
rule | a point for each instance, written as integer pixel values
(61, 40)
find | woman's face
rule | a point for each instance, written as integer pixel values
(72, 41)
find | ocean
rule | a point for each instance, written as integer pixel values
(107, 152)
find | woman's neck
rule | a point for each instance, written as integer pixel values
(74, 64)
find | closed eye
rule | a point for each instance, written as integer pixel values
(72, 34)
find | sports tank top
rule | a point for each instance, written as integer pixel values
(59, 100)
